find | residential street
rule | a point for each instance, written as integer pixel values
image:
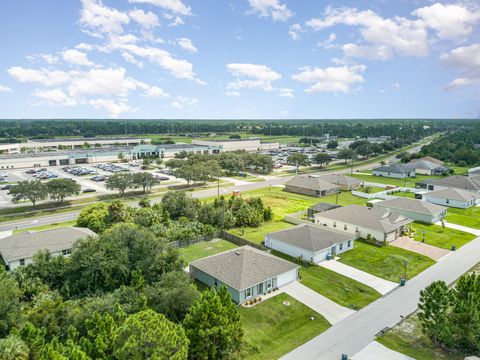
(355, 332)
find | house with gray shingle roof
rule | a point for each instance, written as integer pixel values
(414, 209)
(311, 185)
(310, 242)
(426, 167)
(397, 171)
(364, 222)
(452, 197)
(18, 249)
(346, 183)
(468, 183)
(245, 271)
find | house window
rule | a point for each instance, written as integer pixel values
(349, 243)
(22, 262)
(447, 201)
(341, 246)
(345, 227)
(66, 252)
(248, 293)
(356, 229)
(334, 224)
(269, 284)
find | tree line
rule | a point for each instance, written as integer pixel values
(123, 294)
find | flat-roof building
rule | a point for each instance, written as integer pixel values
(240, 144)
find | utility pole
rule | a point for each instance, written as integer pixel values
(296, 167)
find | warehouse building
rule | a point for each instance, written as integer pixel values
(233, 145)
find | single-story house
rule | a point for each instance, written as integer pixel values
(18, 249)
(417, 210)
(346, 183)
(320, 207)
(425, 167)
(245, 271)
(398, 171)
(468, 183)
(453, 198)
(432, 159)
(365, 222)
(310, 185)
(310, 242)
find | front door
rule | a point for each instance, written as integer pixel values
(260, 288)
(334, 251)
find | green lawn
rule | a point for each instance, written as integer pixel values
(204, 249)
(385, 262)
(257, 235)
(466, 217)
(273, 329)
(341, 289)
(410, 182)
(47, 227)
(441, 237)
(407, 338)
(373, 189)
(405, 194)
(459, 170)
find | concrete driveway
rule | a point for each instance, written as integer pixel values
(433, 252)
(381, 285)
(329, 309)
(376, 351)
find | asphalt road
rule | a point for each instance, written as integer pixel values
(271, 181)
(356, 331)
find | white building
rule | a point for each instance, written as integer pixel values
(451, 197)
(310, 242)
(233, 145)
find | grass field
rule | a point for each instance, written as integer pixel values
(385, 262)
(273, 329)
(407, 338)
(466, 217)
(410, 182)
(341, 289)
(441, 237)
(204, 249)
(47, 227)
(257, 235)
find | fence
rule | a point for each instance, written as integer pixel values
(297, 218)
(237, 240)
(187, 242)
(386, 194)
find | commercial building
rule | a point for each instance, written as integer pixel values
(233, 145)
(310, 242)
(246, 272)
(364, 222)
(18, 249)
(417, 210)
(311, 185)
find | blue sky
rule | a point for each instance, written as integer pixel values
(239, 59)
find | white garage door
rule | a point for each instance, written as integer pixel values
(287, 277)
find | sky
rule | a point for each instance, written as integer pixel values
(239, 59)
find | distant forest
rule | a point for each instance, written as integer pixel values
(12, 130)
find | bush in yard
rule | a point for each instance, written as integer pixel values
(94, 217)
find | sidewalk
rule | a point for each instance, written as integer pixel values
(377, 351)
(475, 232)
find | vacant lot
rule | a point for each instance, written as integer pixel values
(341, 289)
(273, 329)
(385, 262)
(257, 235)
(441, 237)
(410, 182)
(466, 217)
(204, 249)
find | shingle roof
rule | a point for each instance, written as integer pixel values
(413, 205)
(311, 182)
(310, 237)
(395, 168)
(471, 183)
(323, 207)
(26, 244)
(425, 164)
(432, 159)
(341, 179)
(452, 194)
(370, 218)
(243, 267)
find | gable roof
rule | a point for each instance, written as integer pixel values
(323, 206)
(310, 237)
(432, 159)
(452, 194)
(26, 244)
(413, 205)
(313, 182)
(370, 218)
(395, 168)
(461, 182)
(425, 164)
(243, 267)
(341, 179)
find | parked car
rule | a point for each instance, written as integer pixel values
(89, 190)
(6, 187)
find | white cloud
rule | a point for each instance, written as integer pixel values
(187, 44)
(331, 79)
(232, 93)
(466, 59)
(42, 76)
(252, 76)
(270, 8)
(4, 89)
(98, 19)
(284, 92)
(173, 6)
(328, 43)
(114, 108)
(148, 20)
(55, 97)
(84, 47)
(182, 102)
(450, 21)
(294, 31)
(48, 58)
(131, 59)
(75, 57)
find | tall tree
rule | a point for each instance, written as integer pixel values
(94, 217)
(13, 348)
(322, 159)
(346, 154)
(9, 302)
(298, 159)
(120, 182)
(59, 189)
(33, 191)
(149, 335)
(145, 180)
